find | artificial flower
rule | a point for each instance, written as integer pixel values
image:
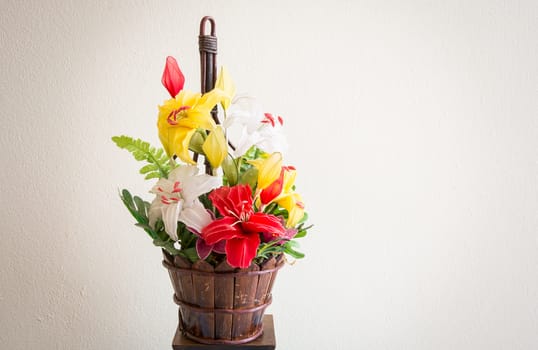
(176, 193)
(272, 191)
(268, 169)
(196, 218)
(239, 226)
(173, 79)
(224, 83)
(247, 125)
(180, 117)
(289, 199)
(215, 147)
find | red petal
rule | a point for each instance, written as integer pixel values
(241, 251)
(234, 200)
(264, 223)
(273, 190)
(221, 229)
(173, 80)
(203, 249)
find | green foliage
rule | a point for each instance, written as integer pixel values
(276, 247)
(289, 248)
(139, 209)
(159, 162)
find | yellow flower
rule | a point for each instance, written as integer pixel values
(179, 118)
(268, 169)
(215, 147)
(289, 199)
(224, 82)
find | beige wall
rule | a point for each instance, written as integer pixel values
(413, 126)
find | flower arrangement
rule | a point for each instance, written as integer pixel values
(222, 190)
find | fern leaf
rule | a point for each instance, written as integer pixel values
(156, 157)
(147, 168)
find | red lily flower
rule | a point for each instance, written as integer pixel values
(173, 80)
(239, 226)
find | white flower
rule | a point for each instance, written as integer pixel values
(177, 194)
(195, 217)
(246, 126)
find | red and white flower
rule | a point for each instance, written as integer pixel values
(179, 192)
(247, 125)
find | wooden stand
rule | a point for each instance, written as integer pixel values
(265, 342)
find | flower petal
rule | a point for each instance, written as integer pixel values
(241, 251)
(215, 147)
(170, 215)
(273, 190)
(203, 249)
(180, 144)
(155, 212)
(235, 201)
(224, 82)
(268, 169)
(294, 205)
(220, 247)
(264, 223)
(197, 185)
(221, 229)
(195, 217)
(173, 80)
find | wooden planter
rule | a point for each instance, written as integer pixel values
(221, 305)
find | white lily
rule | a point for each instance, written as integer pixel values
(196, 217)
(177, 194)
(246, 126)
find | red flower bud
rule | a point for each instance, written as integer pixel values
(173, 80)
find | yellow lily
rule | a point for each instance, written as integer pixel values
(179, 118)
(289, 199)
(268, 169)
(224, 82)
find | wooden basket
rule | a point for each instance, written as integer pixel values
(221, 305)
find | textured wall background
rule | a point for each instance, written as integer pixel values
(414, 126)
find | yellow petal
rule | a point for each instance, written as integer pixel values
(197, 118)
(210, 100)
(224, 82)
(289, 180)
(294, 205)
(268, 169)
(215, 147)
(181, 141)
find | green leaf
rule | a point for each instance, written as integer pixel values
(147, 168)
(300, 234)
(140, 206)
(154, 175)
(289, 249)
(191, 254)
(159, 162)
(139, 215)
(127, 198)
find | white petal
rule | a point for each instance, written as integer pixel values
(196, 216)
(155, 212)
(195, 186)
(170, 215)
(182, 172)
(163, 186)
